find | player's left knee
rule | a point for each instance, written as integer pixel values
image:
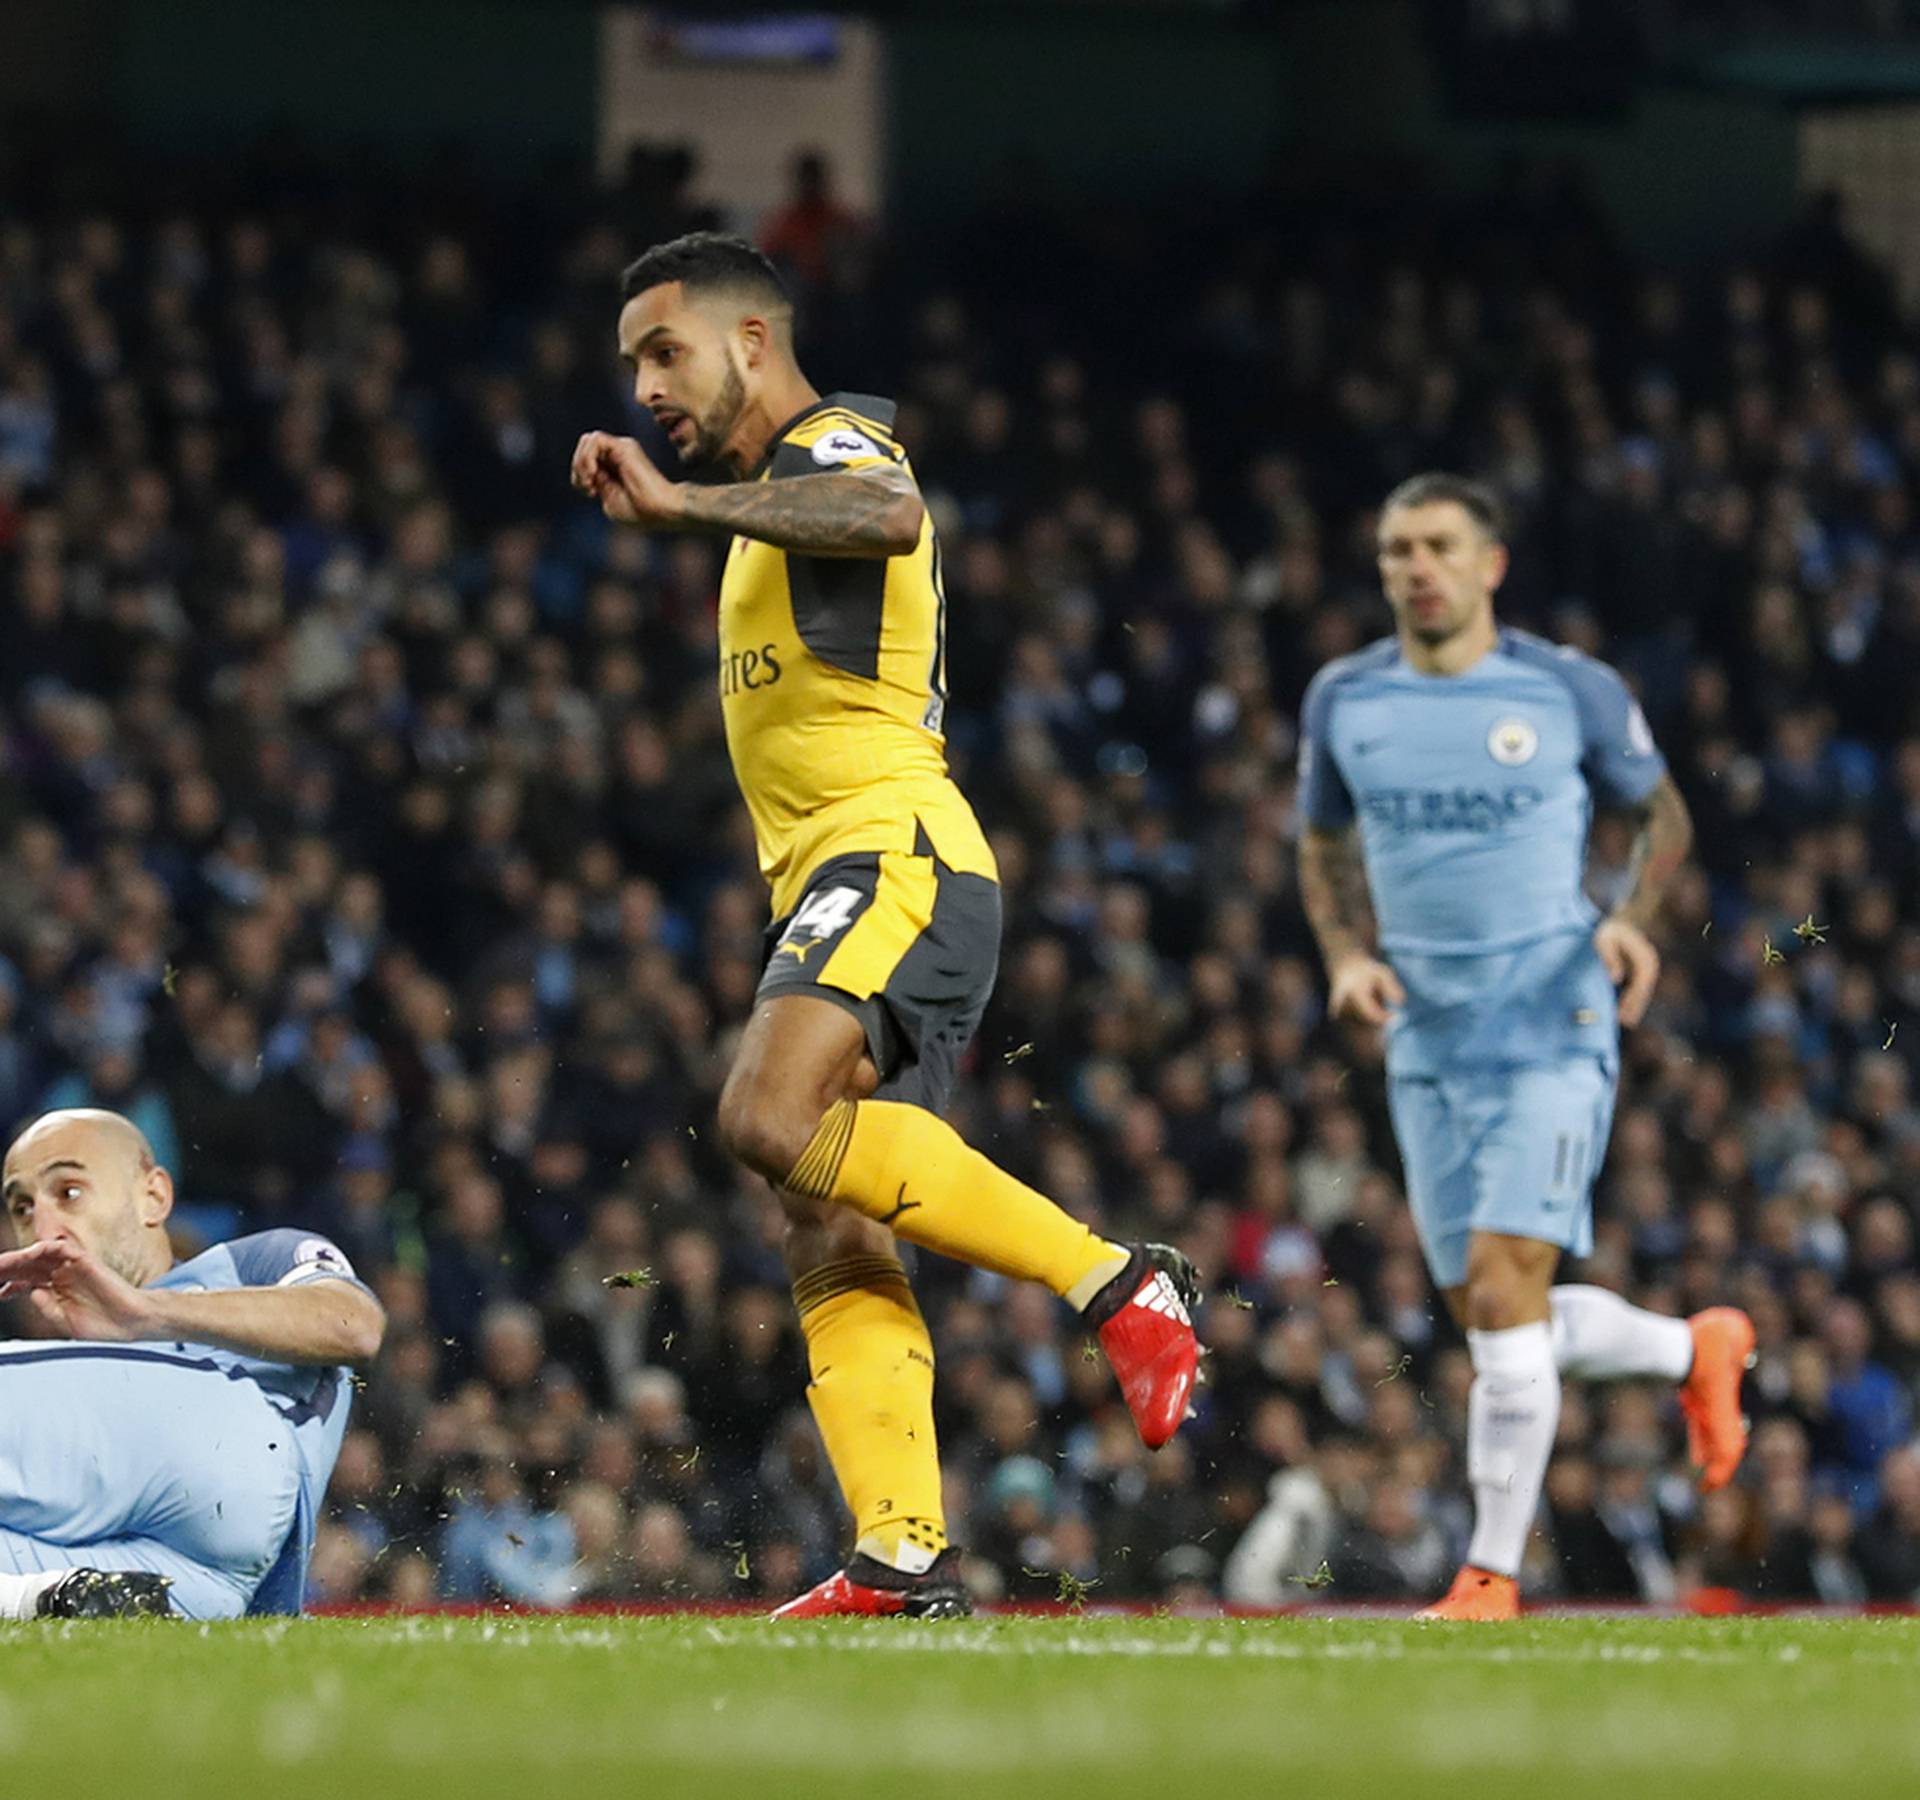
(1501, 1295)
(1508, 1281)
(767, 1131)
(1495, 1303)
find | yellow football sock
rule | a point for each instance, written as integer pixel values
(901, 1165)
(872, 1397)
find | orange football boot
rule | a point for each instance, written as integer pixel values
(1477, 1596)
(1710, 1396)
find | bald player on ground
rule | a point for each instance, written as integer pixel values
(172, 1456)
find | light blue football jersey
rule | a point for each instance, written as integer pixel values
(1473, 795)
(315, 1401)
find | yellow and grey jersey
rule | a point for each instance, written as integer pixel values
(833, 679)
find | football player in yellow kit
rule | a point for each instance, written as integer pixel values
(885, 900)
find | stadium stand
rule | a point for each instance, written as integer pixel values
(368, 837)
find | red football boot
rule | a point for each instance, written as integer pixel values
(1144, 1320)
(867, 1589)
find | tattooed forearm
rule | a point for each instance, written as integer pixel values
(1333, 889)
(1666, 834)
(875, 513)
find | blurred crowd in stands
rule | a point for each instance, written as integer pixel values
(366, 834)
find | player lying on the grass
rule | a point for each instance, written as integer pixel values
(1453, 770)
(176, 1458)
(885, 895)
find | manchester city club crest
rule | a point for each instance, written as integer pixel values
(1512, 742)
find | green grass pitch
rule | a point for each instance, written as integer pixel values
(1062, 1707)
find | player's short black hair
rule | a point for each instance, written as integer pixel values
(1480, 503)
(706, 260)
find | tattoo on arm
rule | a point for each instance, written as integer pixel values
(1666, 834)
(873, 513)
(1333, 890)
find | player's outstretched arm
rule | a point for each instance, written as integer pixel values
(1624, 938)
(78, 1296)
(856, 512)
(1333, 890)
(864, 512)
(321, 1322)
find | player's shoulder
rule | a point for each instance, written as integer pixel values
(845, 428)
(285, 1256)
(212, 1268)
(1603, 704)
(1349, 671)
(1585, 675)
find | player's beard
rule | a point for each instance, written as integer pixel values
(120, 1247)
(124, 1261)
(1442, 629)
(717, 422)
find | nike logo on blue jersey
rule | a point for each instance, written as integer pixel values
(1367, 746)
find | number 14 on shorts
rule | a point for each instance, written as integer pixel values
(821, 916)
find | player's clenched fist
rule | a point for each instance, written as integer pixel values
(620, 475)
(1364, 988)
